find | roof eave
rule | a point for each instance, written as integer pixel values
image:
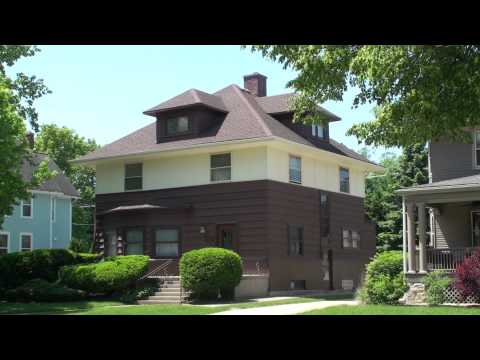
(154, 112)
(438, 189)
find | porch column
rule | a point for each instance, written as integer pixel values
(404, 235)
(411, 237)
(421, 238)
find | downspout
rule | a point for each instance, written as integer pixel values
(404, 235)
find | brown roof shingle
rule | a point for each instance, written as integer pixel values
(245, 119)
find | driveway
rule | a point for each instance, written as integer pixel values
(288, 309)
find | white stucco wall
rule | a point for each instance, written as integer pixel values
(319, 171)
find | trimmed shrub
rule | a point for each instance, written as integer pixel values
(384, 281)
(436, 283)
(467, 276)
(141, 292)
(87, 258)
(19, 267)
(43, 291)
(113, 274)
(210, 272)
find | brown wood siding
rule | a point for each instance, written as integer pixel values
(261, 211)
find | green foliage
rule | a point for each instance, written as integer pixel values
(43, 291)
(79, 245)
(421, 92)
(382, 204)
(384, 281)
(16, 108)
(111, 275)
(436, 283)
(20, 267)
(208, 272)
(62, 145)
(131, 296)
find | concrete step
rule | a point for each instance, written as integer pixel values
(161, 293)
(164, 297)
(169, 290)
(153, 302)
(169, 285)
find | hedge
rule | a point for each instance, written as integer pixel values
(19, 267)
(114, 274)
(41, 290)
(208, 272)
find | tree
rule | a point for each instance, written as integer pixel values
(420, 92)
(16, 108)
(382, 204)
(62, 145)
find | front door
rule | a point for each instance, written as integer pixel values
(475, 228)
(226, 236)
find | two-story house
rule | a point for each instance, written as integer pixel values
(231, 169)
(450, 202)
(45, 220)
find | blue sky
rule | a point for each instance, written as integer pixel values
(101, 91)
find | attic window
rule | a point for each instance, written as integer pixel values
(178, 125)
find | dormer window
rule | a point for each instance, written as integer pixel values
(177, 126)
(319, 131)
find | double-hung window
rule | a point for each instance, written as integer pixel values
(295, 240)
(27, 206)
(476, 144)
(167, 243)
(133, 176)
(350, 239)
(355, 239)
(220, 167)
(295, 169)
(344, 180)
(177, 126)
(4, 240)
(134, 241)
(26, 242)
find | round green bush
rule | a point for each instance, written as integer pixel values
(208, 272)
(113, 274)
(43, 291)
(384, 281)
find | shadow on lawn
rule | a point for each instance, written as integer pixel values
(51, 308)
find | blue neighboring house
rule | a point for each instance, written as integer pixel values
(44, 221)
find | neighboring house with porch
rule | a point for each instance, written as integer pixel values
(230, 169)
(450, 202)
(45, 220)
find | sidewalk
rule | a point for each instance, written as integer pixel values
(288, 309)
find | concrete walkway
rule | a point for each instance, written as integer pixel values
(288, 309)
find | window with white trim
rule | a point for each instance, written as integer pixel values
(4, 240)
(476, 144)
(295, 169)
(220, 167)
(25, 242)
(344, 180)
(53, 208)
(319, 131)
(27, 208)
(133, 176)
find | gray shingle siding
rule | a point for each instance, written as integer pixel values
(451, 160)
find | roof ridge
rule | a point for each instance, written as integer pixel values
(195, 95)
(255, 113)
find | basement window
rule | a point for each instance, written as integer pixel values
(133, 176)
(220, 167)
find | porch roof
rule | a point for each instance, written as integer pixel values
(445, 186)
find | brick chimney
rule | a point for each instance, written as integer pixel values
(31, 139)
(256, 83)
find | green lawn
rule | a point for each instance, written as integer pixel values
(118, 308)
(394, 310)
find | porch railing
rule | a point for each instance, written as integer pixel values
(255, 266)
(447, 259)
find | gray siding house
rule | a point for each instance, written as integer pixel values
(451, 204)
